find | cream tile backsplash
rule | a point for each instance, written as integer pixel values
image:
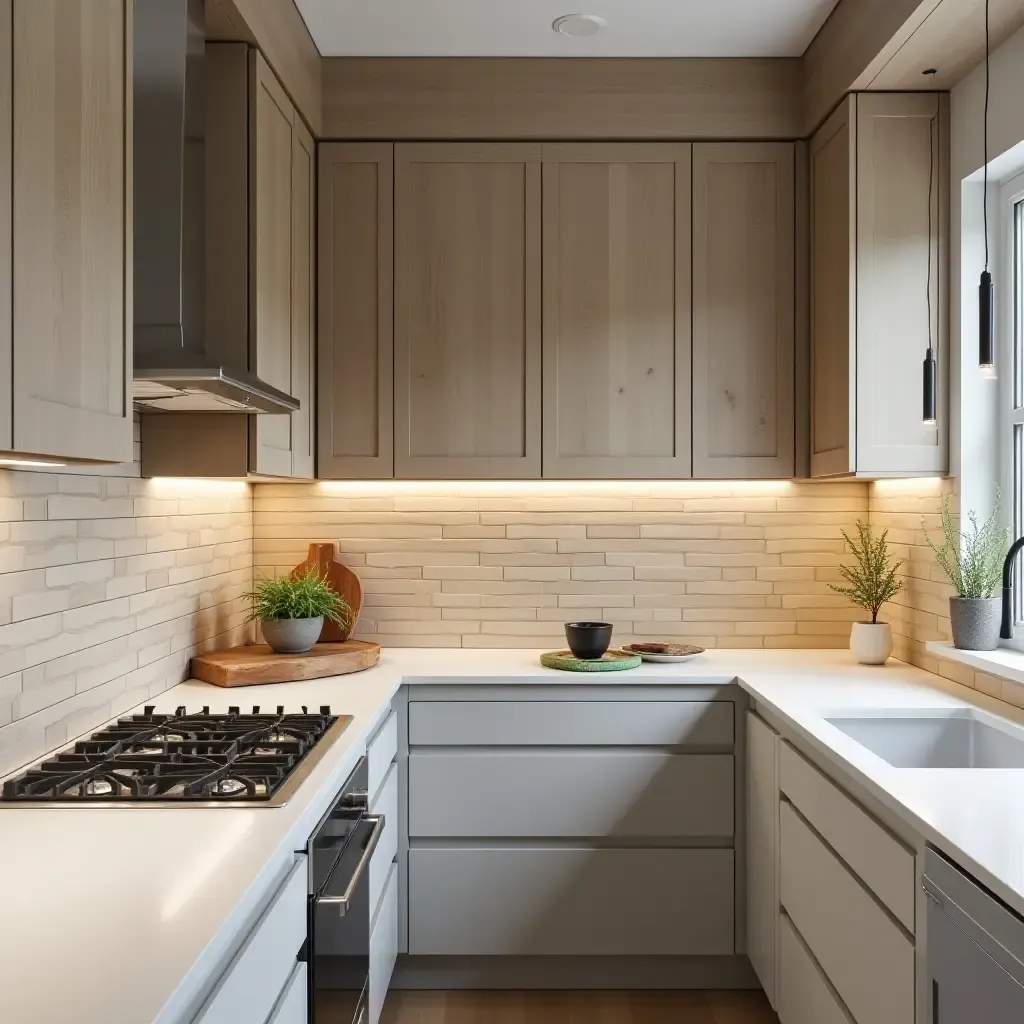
(108, 584)
(506, 564)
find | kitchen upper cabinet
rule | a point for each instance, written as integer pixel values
(617, 310)
(260, 220)
(467, 310)
(355, 350)
(743, 310)
(65, 168)
(879, 228)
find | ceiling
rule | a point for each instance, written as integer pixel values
(522, 28)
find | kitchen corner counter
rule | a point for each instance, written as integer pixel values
(160, 895)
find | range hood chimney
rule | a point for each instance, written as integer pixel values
(178, 367)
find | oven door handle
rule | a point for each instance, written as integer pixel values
(344, 901)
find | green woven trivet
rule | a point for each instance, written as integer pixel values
(611, 661)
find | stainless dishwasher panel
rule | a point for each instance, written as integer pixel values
(975, 950)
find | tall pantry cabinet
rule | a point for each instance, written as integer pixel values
(65, 229)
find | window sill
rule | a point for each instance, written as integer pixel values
(1004, 662)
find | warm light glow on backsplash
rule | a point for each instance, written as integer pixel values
(910, 486)
(554, 488)
(187, 486)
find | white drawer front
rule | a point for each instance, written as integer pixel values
(804, 994)
(380, 752)
(571, 723)
(573, 901)
(868, 960)
(883, 863)
(254, 981)
(292, 1006)
(570, 793)
(383, 947)
(386, 803)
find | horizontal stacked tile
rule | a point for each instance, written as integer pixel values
(505, 565)
(108, 584)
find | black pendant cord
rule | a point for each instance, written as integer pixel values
(929, 377)
(986, 295)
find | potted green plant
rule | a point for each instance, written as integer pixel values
(872, 581)
(291, 610)
(972, 560)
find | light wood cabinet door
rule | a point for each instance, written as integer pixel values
(467, 310)
(355, 381)
(303, 354)
(743, 310)
(72, 158)
(762, 852)
(833, 293)
(617, 310)
(271, 135)
(902, 141)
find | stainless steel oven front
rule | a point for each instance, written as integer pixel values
(338, 948)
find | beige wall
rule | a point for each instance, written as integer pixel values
(505, 565)
(108, 583)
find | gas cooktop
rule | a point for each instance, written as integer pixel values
(181, 759)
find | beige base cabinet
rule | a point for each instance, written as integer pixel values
(870, 166)
(763, 853)
(65, 229)
(261, 197)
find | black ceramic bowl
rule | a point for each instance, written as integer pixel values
(588, 640)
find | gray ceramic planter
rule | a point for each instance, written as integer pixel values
(975, 622)
(292, 636)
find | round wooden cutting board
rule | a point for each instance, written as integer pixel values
(257, 663)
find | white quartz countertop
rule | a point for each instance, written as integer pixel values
(130, 914)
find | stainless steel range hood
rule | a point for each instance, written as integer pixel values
(178, 365)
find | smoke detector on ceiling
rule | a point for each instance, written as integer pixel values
(578, 25)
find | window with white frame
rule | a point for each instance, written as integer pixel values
(1010, 328)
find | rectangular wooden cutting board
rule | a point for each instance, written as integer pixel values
(257, 663)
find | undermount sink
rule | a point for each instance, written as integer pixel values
(954, 738)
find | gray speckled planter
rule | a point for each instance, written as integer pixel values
(292, 636)
(975, 622)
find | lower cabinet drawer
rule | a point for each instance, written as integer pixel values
(380, 752)
(866, 957)
(804, 994)
(383, 946)
(292, 1007)
(386, 803)
(571, 901)
(259, 973)
(570, 793)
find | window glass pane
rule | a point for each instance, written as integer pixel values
(1018, 305)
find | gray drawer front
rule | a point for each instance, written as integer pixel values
(570, 901)
(570, 793)
(571, 723)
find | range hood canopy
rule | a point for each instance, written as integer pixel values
(178, 366)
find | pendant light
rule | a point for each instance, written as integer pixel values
(986, 298)
(929, 382)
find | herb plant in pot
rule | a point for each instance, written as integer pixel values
(972, 560)
(291, 610)
(872, 582)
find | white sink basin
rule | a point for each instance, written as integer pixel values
(954, 738)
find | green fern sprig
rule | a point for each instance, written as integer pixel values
(972, 559)
(873, 580)
(306, 596)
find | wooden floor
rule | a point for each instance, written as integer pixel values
(577, 1008)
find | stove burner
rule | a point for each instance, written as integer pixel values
(178, 758)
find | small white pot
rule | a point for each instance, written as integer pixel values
(871, 642)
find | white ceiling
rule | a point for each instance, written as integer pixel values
(522, 28)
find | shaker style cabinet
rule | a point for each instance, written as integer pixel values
(355, 352)
(743, 310)
(616, 310)
(260, 221)
(467, 310)
(65, 225)
(871, 163)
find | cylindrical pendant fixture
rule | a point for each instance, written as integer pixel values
(928, 390)
(986, 326)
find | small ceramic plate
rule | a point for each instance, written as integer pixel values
(663, 652)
